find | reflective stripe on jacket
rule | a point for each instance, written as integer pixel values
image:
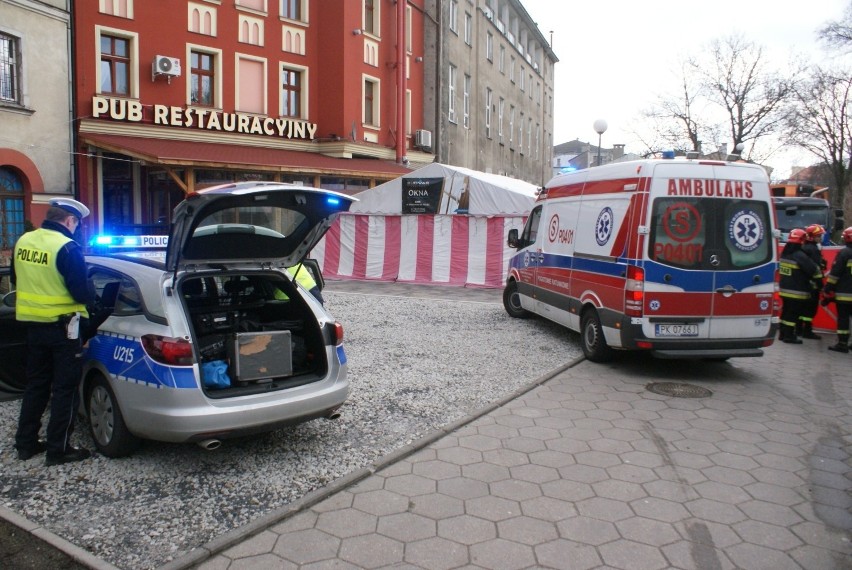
(797, 271)
(42, 296)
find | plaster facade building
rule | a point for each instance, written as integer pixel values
(491, 108)
(36, 159)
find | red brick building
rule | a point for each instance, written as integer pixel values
(175, 95)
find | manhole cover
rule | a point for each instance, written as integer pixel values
(678, 390)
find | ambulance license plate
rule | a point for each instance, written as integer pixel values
(676, 330)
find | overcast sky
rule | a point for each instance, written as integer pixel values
(616, 57)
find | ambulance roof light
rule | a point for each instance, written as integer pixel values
(668, 154)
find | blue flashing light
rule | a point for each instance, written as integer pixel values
(566, 169)
(130, 242)
(332, 201)
(668, 154)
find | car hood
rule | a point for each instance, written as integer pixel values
(251, 223)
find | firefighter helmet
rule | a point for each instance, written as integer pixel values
(847, 235)
(796, 236)
(814, 232)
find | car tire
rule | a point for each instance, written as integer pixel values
(592, 338)
(512, 301)
(111, 436)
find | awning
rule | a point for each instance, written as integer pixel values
(182, 154)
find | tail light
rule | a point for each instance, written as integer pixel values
(776, 298)
(338, 334)
(165, 350)
(634, 291)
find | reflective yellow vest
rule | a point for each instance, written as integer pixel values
(41, 292)
(303, 278)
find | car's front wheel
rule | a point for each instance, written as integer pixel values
(512, 301)
(112, 438)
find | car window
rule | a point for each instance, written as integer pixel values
(129, 300)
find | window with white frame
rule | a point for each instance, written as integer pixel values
(468, 28)
(502, 60)
(466, 102)
(454, 16)
(451, 103)
(372, 92)
(251, 84)
(294, 10)
(118, 56)
(11, 90)
(489, 46)
(522, 79)
(294, 91)
(488, 103)
(512, 69)
(529, 136)
(531, 86)
(511, 125)
(202, 79)
(521, 133)
(371, 21)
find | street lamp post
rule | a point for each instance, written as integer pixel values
(600, 128)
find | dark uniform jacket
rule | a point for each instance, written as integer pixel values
(797, 271)
(840, 277)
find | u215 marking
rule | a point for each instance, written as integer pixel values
(123, 354)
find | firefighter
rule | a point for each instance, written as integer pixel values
(838, 288)
(798, 271)
(813, 237)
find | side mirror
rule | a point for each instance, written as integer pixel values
(9, 298)
(513, 240)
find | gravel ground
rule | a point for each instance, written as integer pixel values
(414, 365)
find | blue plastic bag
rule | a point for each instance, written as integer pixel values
(215, 374)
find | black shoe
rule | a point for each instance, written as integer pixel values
(839, 348)
(71, 454)
(791, 340)
(24, 454)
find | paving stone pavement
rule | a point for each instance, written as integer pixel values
(590, 469)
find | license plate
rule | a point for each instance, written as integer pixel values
(676, 330)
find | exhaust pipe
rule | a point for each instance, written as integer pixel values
(333, 415)
(209, 444)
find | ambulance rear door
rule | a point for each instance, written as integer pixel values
(710, 263)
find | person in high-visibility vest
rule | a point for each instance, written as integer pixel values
(305, 279)
(813, 237)
(798, 272)
(52, 293)
(838, 288)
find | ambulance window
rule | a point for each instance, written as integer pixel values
(710, 233)
(531, 229)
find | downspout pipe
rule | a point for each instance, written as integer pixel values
(401, 135)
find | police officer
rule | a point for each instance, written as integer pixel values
(813, 237)
(838, 287)
(797, 273)
(304, 278)
(49, 271)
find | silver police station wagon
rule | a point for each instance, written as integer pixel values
(213, 337)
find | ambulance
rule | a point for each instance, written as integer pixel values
(673, 256)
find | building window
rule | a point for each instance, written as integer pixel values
(502, 61)
(291, 9)
(251, 30)
(488, 99)
(468, 28)
(371, 17)
(203, 82)
(11, 208)
(511, 124)
(10, 69)
(454, 16)
(521, 133)
(118, 8)
(529, 136)
(512, 69)
(451, 106)
(466, 101)
(251, 83)
(291, 93)
(531, 86)
(500, 105)
(202, 19)
(522, 80)
(371, 102)
(489, 47)
(115, 65)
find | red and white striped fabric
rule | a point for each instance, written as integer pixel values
(458, 250)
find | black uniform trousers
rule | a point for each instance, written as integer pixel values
(53, 375)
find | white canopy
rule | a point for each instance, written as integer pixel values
(473, 192)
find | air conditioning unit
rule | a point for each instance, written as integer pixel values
(423, 139)
(163, 65)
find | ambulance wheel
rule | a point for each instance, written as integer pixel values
(592, 338)
(512, 301)
(112, 438)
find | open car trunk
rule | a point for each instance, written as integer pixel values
(253, 332)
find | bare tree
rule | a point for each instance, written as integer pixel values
(838, 33)
(752, 96)
(821, 124)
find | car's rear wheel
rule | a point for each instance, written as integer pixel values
(592, 338)
(512, 301)
(112, 438)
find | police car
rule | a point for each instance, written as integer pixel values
(210, 337)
